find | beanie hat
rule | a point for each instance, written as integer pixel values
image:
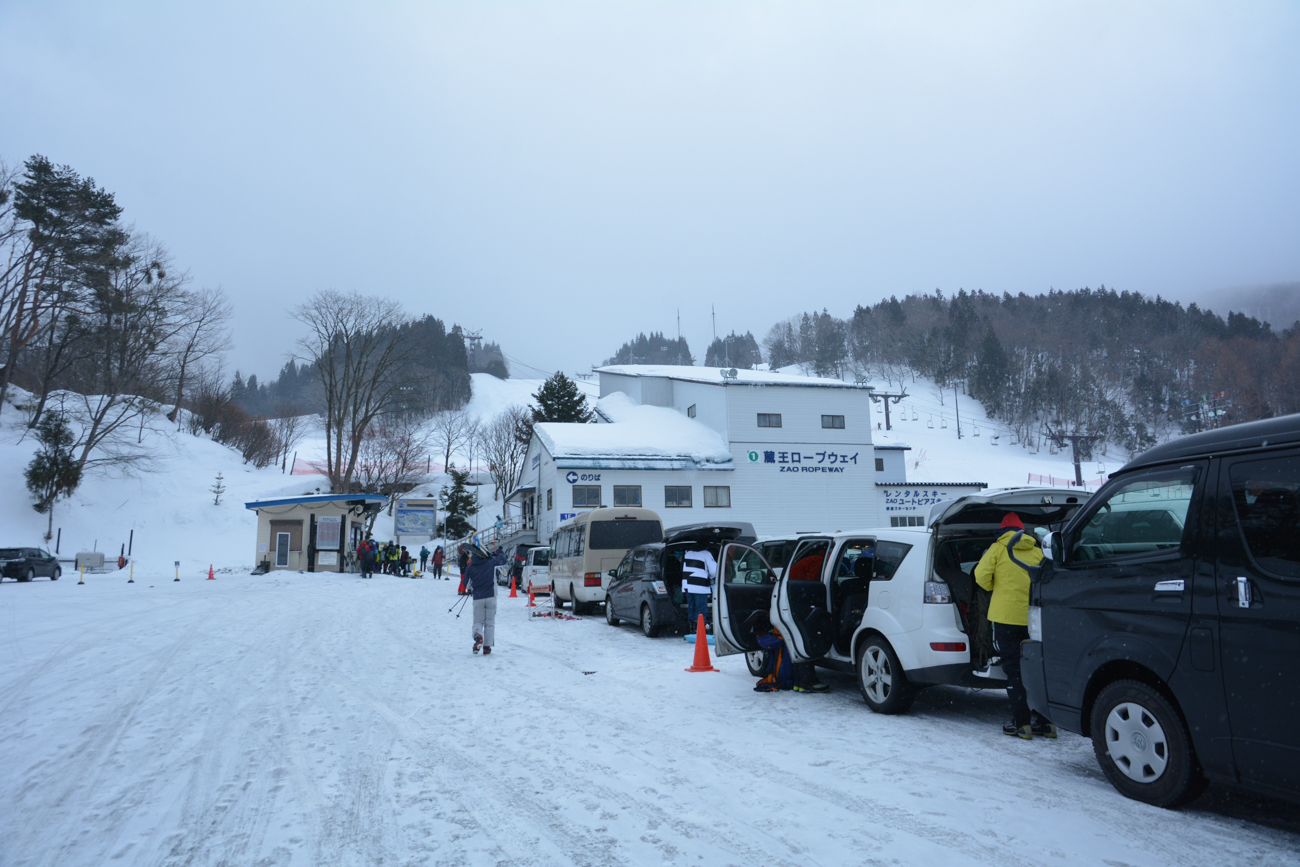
(1011, 520)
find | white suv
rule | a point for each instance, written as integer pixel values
(898, 606)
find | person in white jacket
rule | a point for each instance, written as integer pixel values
(699, 569)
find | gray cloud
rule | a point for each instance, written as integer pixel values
(561, 175)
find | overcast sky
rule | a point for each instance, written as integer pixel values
(563, 175)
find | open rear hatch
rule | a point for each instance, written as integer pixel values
(964, 529)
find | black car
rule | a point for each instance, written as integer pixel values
(646, 587)
(1165, 623)
(24, 564)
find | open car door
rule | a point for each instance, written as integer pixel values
(744, 586)
(801, 601)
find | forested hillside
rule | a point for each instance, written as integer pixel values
(1133, 369)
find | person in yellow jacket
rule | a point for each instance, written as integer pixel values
(1009, 615)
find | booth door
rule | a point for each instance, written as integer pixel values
(281, 549)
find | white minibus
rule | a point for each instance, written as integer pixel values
(585, 547)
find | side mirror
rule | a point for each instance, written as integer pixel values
(1046, 543)
(613, 573)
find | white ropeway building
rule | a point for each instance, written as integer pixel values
(786, 453)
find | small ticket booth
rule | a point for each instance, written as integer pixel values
(312, 533)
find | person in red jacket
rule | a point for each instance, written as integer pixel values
(438, 557)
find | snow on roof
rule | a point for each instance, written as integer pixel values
(711, 376)
(317, 498)
(635, 431)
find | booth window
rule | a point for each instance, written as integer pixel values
(833, 422)
(627, 495)
(717, 496)
(586, 495)
(907, 521)
(690, 411)
(769, 419)
(677, 496)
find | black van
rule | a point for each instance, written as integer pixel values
(1165, 623)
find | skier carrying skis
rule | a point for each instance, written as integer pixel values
(481, 576)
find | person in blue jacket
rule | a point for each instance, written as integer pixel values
(480, 575)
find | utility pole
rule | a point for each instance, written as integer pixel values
(957, 410)
(1075, 439)
(876, 397)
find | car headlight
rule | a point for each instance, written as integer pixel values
(1035, 623)
(661, 588)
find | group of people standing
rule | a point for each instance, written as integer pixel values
(393, 559)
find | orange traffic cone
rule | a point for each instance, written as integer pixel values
(514, 594)
(701, 649)
(531, 603)
(211, 577)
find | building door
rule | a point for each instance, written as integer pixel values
(281, 549)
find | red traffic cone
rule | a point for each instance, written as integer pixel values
(701, 649)
(514, 594)
(211, 577)
(531, 603)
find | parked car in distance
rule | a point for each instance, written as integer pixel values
(537, 570)
(1165, 622)
(898, 606)
(646, 587)
(24, 564)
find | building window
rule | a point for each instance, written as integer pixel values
(717, 497)
(834, 422)
(880, 465)
(627, 495)
(677, 496)
(769, 419)
(550, 501)
(690, 411)
(907, 521)
(586, 495)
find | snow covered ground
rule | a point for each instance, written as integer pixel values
(322, 719)
(325, 720)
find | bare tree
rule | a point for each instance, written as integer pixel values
(203, 332)
(361, 363)
(392, 457)
(505, 446)
(452, 430)
(289, 430)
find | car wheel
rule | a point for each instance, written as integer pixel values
(880, 677)
(756, 660)
(1142, 745)
(31, 575)
(647, 623)
(609, 612)
(58, 573)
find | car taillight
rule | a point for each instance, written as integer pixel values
(591, 579)
(948, 646)
(1035, 623)
(660, 587)
(937, 593)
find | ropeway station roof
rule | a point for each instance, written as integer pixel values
(636, 437)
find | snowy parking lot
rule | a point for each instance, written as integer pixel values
(322, 719)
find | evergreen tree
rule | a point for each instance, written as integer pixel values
(460, 504)
(217, 490)
(734, 350)
(653, 349)
(54, 471)
(990, 381)
(559, 400)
